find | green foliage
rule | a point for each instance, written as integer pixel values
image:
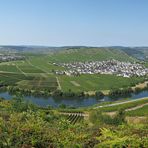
(97, 82)
(99, 94)
(124, 105)
(120, 116)
(121, 137)
(62, 106)
(97, 117)
(20, 105)
(57, 93)
(23, 126)
(111, 139)
(89, 54)
(35, 74)
(68, 94)
(143, 111)
(120, 92)
(39, 129)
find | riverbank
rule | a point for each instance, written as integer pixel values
(73, 102)
(120, 103)
(142, 85)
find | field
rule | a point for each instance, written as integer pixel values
(36, 72)
(95, 82)
(43, 62)
(139, 112)
(9, 68)
(26, 75)
(12, 78)
(39, 83)
(27, 67)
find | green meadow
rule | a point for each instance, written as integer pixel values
(90, 54)
(36, 71)
(96, 82)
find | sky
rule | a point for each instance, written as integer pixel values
(74, 22)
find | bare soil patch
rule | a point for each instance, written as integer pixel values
(136, 120)
(75, 83)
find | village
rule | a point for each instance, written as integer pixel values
(10, 57)
(124, 69)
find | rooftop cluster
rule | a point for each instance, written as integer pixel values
(10, 57)
(125, 69)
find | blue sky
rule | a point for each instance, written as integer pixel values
(74, 22)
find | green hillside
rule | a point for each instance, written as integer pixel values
(24, 125)
(90, 54)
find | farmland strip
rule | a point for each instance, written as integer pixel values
(59, 85)
(21, 70)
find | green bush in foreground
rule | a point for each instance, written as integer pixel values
(121, 138)
(25, 126)
(97, 117)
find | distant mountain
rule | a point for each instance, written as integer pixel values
(84, 52)
(30, 49)
(140, 53)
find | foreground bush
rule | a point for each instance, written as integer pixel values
(25, 126)
(97, 117)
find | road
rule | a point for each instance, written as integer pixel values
(119, 103)
(59, 85)
(20, 70)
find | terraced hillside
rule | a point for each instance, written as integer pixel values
(90, 54)
(37, 71)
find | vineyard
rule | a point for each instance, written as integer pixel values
(74, 118)
(39, 83)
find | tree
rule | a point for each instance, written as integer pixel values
(20, 105)
(99, 94)
(57, 93)
(62, 106)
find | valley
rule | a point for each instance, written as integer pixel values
(34, 75)
(41, 65)
(73, 74)
(42, 106)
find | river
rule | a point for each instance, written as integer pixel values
(73, 102)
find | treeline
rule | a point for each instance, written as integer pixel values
(126, 92)
(70, 93)
(120, 93)
(47, 92)
(114, 93)
(26, 92)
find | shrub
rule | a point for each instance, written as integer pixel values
(97, 117)
(99, 94)
(20, 105)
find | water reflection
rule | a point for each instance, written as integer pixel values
(73, 102)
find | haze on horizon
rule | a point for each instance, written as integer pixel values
(74, 22)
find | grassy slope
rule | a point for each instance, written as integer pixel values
(39, 83)
(95, 82)
(124, 106)
(44, 62)
(41, 66)
(27, 126)
(139, 112)
(89, 54)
